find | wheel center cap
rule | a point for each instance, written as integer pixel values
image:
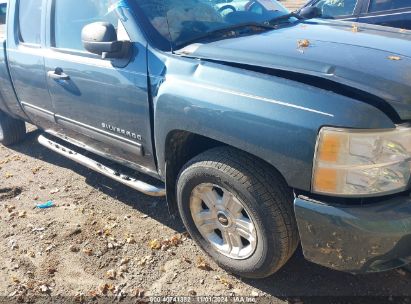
(223, 219)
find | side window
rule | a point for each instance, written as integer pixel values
(385, 5)
(335, 8)
(30, 21)
(72, 15)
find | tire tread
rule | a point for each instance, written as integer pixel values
(258, 178)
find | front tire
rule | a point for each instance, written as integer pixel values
(239, 211)
(12, 131)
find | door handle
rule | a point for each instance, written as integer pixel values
(58, 74)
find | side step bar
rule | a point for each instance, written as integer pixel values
(98, 167)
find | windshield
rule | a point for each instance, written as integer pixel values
(182, 21)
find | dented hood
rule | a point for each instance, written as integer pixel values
(370, 58)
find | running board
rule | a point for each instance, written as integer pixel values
(98, 167)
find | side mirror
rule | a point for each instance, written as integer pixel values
(101, 38)
(310, 12)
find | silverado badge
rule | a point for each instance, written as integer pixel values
(121, 131)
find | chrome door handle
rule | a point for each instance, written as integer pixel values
(58, 74)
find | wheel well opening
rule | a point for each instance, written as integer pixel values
(181, 146)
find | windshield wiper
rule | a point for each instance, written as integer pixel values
(230, 31)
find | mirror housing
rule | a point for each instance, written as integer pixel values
(101, 38)
(310, 12)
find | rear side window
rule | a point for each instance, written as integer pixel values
(72, 15)
(30, 21)
(385, 5)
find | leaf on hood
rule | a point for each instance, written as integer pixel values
(303, 43)
(354, 28)
(395, 58)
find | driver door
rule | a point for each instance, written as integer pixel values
(101, 105)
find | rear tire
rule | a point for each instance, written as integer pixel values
(12, 131)
(246, 193)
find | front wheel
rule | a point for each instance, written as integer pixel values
(239, 211)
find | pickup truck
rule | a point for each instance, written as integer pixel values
(264, 131)
(388, 12)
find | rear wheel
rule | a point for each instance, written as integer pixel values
(12, 131)
(239, 210)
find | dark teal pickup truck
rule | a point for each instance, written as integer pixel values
(263, 130)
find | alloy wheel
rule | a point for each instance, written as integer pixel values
(222, 219)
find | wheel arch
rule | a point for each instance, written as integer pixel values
(177, 154)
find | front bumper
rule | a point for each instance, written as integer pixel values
(356, 239)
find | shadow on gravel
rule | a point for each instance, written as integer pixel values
(298, 282)
(312, 283)
(151, 206)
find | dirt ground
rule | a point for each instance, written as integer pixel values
(103, 239)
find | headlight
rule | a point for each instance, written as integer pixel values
(362, 162)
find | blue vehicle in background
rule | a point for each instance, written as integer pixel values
(394, 13)
(263, 130)
(232, 6)
(3, 12)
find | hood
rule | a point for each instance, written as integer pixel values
(370, 58)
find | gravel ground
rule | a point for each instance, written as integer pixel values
(103, 239)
